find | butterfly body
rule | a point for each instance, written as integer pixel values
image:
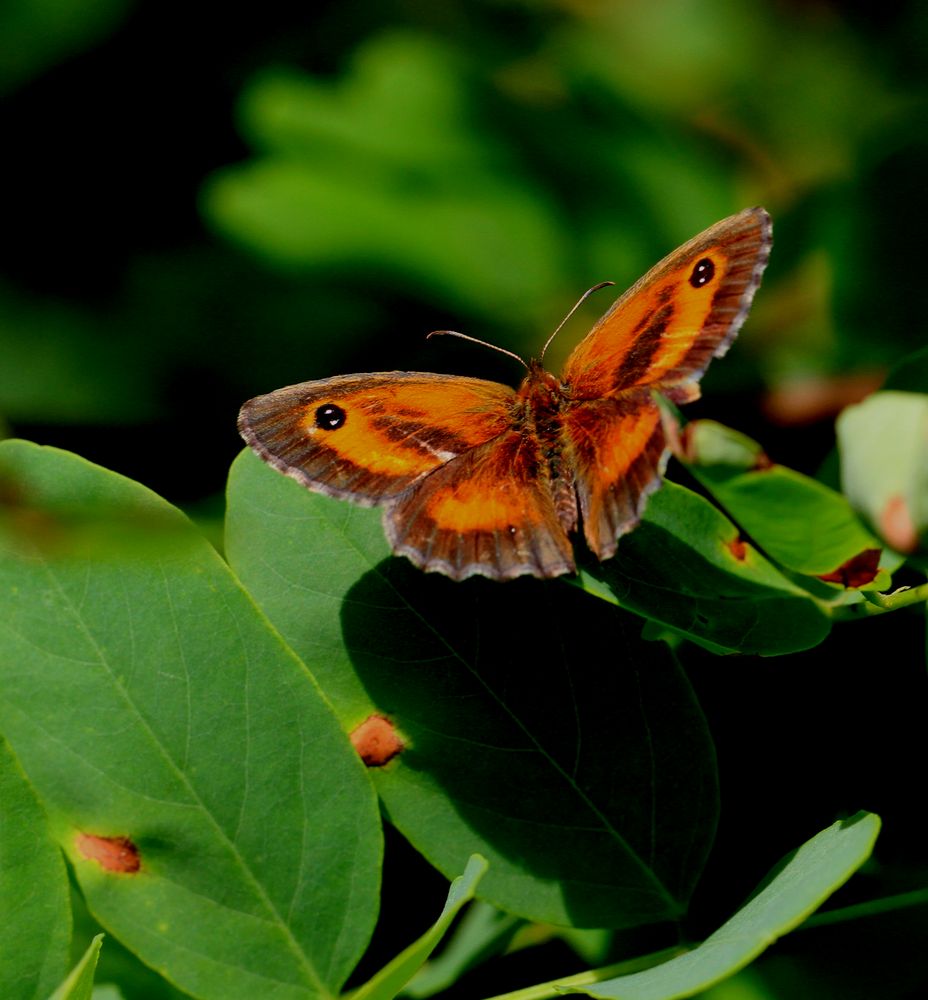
(477, 478)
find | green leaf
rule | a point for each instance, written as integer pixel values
(34, 34)
(107, 991)
(336, 183)
(35, 912)
(389, 982)
(685, 568)
(791, 893)
(168, 729)
(797, 521)
(516, 701)
(884, 464)
(60, 364)
(910, 374)
(482, 932)
(79, 984)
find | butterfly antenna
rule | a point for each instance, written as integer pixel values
(579, 302)
(474, 340)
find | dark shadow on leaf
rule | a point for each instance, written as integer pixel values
(558, 738)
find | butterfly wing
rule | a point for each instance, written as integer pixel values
(490, 512)
(660, 335)
(686, 310)
(368, 438)
(463, 485)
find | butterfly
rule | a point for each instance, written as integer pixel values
(478, 478)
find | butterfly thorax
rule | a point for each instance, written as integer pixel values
(540, 405)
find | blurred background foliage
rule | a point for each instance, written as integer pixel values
(205, 203)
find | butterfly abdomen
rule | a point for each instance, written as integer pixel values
(545, 402)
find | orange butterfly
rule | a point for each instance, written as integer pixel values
(477, 478)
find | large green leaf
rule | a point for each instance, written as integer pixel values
(541, 731)
(35, 913)
(167, 728)
(791, 893)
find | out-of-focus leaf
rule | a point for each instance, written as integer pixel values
(189, 765)
(639, 52)
(387, 171)
(405, 97)
(57, 366)
(36, 33)
(34, 910)
(884, 464)
(791, 893)
(515, 702)
(910, 375)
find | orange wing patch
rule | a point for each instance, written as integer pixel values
(490, 512)
(368, 438)
(619, 449)
(687, 309)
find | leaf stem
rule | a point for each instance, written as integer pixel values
(878, 604)
(551, 989)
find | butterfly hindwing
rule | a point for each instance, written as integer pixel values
(618, 452)
(490, 512)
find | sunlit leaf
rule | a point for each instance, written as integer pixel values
(34, 910)
(213, 811)
(791, 893)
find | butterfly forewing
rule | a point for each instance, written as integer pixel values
(686, 310)
(368, 438)
(661, 334)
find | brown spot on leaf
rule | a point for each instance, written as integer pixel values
(112, 854)
(376, 741)
(737, 548)
(857, 571)
(30, 527)
(896, 525)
